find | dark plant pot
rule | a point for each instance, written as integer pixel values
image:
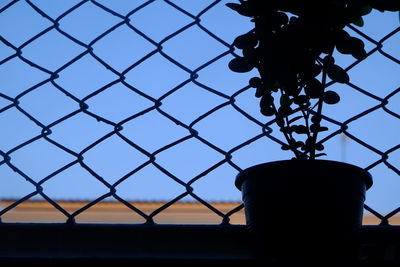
(304, 209)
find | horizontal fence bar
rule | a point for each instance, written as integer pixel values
(161, 242)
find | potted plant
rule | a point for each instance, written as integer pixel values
(292, 46)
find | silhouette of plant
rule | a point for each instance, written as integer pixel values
(292, 47)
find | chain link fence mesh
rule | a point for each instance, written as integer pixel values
(127, 100)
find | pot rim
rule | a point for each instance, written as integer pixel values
(241, 176)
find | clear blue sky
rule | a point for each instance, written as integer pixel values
(156, 77)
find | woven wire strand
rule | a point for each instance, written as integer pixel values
(228, 101)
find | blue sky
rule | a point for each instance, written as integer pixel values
(94, 79)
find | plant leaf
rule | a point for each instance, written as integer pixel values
(241, 64)
(316, 119)
(295, 119)
(314, 88)
(255, 82)
(328, 60)
(343, 44)
(301, 99)
(266, 101)
(260, 91)
(280, 121)
(245, 41)
(357, 48)
(316, 128)
(319, 147)
(241, 9)
(337, 74)
(383, 5)
(250, 53)
(315, 70)
(267, 111)
(300, 129)
(298, 144)
(356, 43)
(266, 105)
(360, 55)
(322, 129)
(286, 129)
(353, 46)
(285, 100)
(285, 111)
(359, 22)
(331, 97)
(365, 10)
(234, 6)
(285, 147)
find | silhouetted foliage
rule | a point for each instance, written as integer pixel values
(291, 46)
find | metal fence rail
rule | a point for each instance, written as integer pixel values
(197, 20)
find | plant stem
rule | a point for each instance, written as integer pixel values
(289, 138)
(321, 101)
(306, 116)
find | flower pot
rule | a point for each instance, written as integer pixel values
(304, 209)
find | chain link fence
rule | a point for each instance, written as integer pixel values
(133, 100)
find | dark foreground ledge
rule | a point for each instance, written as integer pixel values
(176, 244)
